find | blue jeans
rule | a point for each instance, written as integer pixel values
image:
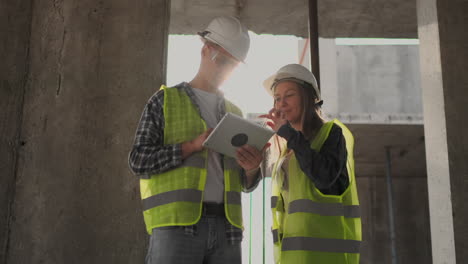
(208, 245)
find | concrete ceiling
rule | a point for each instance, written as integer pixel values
(337, 18)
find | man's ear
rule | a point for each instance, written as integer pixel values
(205, 50)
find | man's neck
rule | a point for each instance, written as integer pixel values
(204, 84)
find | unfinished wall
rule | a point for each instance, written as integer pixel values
(92, 66)
(14, 39)
(411, 208)
(371, 83)
(444, 60)
(452, 20)
(380, 80)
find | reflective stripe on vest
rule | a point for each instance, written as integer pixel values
(185, 195)
(277, 236)
(325, 209)
(321, 244)
(274, 201)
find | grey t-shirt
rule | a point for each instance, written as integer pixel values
(214, 187)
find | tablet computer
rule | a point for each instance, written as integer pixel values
(234, 131)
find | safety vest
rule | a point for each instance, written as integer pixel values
(174, 197)
(312, 227)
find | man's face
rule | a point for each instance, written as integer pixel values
(221, 63)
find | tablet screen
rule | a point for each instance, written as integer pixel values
(234, 131)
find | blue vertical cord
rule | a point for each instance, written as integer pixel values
(250, 230)
(263, 225)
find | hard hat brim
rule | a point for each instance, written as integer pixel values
(206, 37)
(279, 77)
(268, 83)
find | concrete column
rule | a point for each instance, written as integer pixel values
(92, 67)
(444, 60)
(14, 43)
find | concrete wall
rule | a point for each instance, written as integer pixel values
(372, 83)
(92, 66)
(14, 42)
(413, 244)
(380, 79)
(411, 214)
(444, 60)
(453, 19)
(337, 18)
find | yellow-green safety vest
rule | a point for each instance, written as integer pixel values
(174, 197)
(312, 227)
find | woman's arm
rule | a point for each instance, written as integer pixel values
(326, 168)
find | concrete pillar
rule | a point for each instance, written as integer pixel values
(92, 66)
(444, 60)
(14, 43)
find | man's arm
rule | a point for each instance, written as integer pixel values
(149, 155)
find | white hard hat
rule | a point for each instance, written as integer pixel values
(230, 34)
(292, 72)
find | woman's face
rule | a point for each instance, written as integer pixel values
(288, 101)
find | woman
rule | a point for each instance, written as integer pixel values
(314, 199)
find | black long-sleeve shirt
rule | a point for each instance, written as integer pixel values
(327, 167)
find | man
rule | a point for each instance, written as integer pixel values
(192, 196)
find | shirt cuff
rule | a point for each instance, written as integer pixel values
(177, 155)
(286, 131)
(254, 185)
